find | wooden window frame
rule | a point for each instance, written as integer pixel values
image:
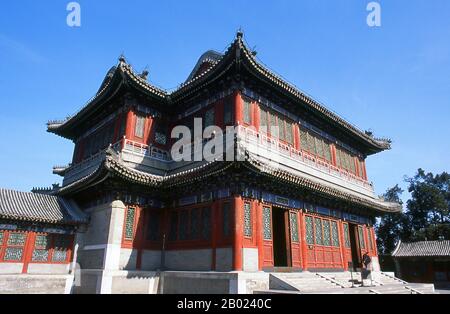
(137, 119)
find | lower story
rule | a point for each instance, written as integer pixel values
(223, 234)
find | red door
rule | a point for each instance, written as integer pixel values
(295, 237)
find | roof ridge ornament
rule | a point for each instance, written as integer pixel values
(122, 58)
(240, 33)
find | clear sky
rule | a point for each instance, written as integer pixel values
(394, 79)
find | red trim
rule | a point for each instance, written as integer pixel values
(238, 234)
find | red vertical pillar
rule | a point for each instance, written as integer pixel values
(342, 244)
(238, 108)
(304, 246)
(259, 234)
(297, 136)
(238, 234)
(129, 123)
(28, 250)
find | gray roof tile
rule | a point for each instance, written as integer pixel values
(35, 207)
(425, 248)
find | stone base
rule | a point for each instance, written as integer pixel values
(213, 282)
(35, 284)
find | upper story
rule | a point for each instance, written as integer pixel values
(230, 89)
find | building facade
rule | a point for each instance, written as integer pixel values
(423, 262)
(288, 189)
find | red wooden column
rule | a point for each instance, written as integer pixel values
(297, 142)
(259, 234)
(238, 112)
(28, 250)
(238, 233)
(130, 127)
(342, 243)
(304, 245)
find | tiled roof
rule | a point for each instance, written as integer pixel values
(113, 165)
(235, 54)
(27, 206)
(424, 248)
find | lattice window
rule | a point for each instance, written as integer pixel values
(160, 138)
(263, 126)
(318, 231)
(281, 126)
(326, 233)
(347, 236)
(248, 220)
(309, 230)
(184, 225)
(139, 127)
(173, 226)
(304, 140)
(153, 225)
(129, 223)
(362, 242)
(274, 131)
(369, 235)
(361, 168)
(311, 144)
(294, 227)
(206, 223)
(338, 158)
(267, 224)
(327, 151)
(17, 239)
(1, 237)
(13, 254)
(210, 117)
(289, 133)
(41, 248)
(335, 234)
(247, 111)
(195, 223)
(319, 147)
(226, 220)
(40, 255)
(59, 256)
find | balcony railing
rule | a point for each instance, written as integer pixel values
(251, 135)
(243, 133)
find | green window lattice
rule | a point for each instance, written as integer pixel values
(129, 224)
(309, 230)
(267, 223)
(294, 227)
(247, 220)
(335, 234)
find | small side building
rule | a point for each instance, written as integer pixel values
(36, 241)
(423, 262)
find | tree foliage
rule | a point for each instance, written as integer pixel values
(427, 214)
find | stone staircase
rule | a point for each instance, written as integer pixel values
(341, 283)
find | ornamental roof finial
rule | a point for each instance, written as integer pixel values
(240, 33)
(122, 58)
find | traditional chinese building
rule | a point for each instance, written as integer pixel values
(296, 196)
(423, 262)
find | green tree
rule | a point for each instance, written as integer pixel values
(428, 208)
(390, 228)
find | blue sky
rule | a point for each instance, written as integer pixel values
(393, 79)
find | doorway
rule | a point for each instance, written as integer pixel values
(280, 237)
(355, 247)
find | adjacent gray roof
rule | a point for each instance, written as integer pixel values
(26, 206)
(425, 248)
